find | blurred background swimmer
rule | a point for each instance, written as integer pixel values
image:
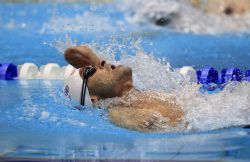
(195, 16)
(227, 7)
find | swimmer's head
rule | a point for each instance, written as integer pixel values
(108, 81)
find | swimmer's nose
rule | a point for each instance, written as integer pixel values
(128, 71)
(102, 64)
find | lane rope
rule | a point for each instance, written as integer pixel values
(208, 77)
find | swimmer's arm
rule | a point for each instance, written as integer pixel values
(153, 116)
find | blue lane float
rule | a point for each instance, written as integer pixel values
(247, 76)
(207, 76)
(8, 71)
(231, 74)
(212, 82)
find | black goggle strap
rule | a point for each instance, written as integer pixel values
(88, 72)
(83, 93)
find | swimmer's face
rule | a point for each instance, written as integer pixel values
(108, 81)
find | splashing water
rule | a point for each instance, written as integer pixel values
(231, 107)
(62, 44)
(86, 22)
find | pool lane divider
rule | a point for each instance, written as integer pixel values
(8, 71)
(211, 81)
(208, 77)
(28, 71)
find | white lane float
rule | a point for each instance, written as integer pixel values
(28, 71)
(189, 73)
(51, 71)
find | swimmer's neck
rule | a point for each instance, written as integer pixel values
(125, 90)
(129, 91)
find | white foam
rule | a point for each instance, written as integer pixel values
(230, 107)
(44, 115)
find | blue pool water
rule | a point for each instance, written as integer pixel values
(37, 123)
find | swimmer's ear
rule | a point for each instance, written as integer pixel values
(81, 56)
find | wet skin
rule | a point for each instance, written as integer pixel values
(132, 109)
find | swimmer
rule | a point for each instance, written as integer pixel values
(127, 106)
(224, 7)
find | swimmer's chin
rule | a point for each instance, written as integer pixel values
(127, 87)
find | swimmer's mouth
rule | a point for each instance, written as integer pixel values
(128, 71)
